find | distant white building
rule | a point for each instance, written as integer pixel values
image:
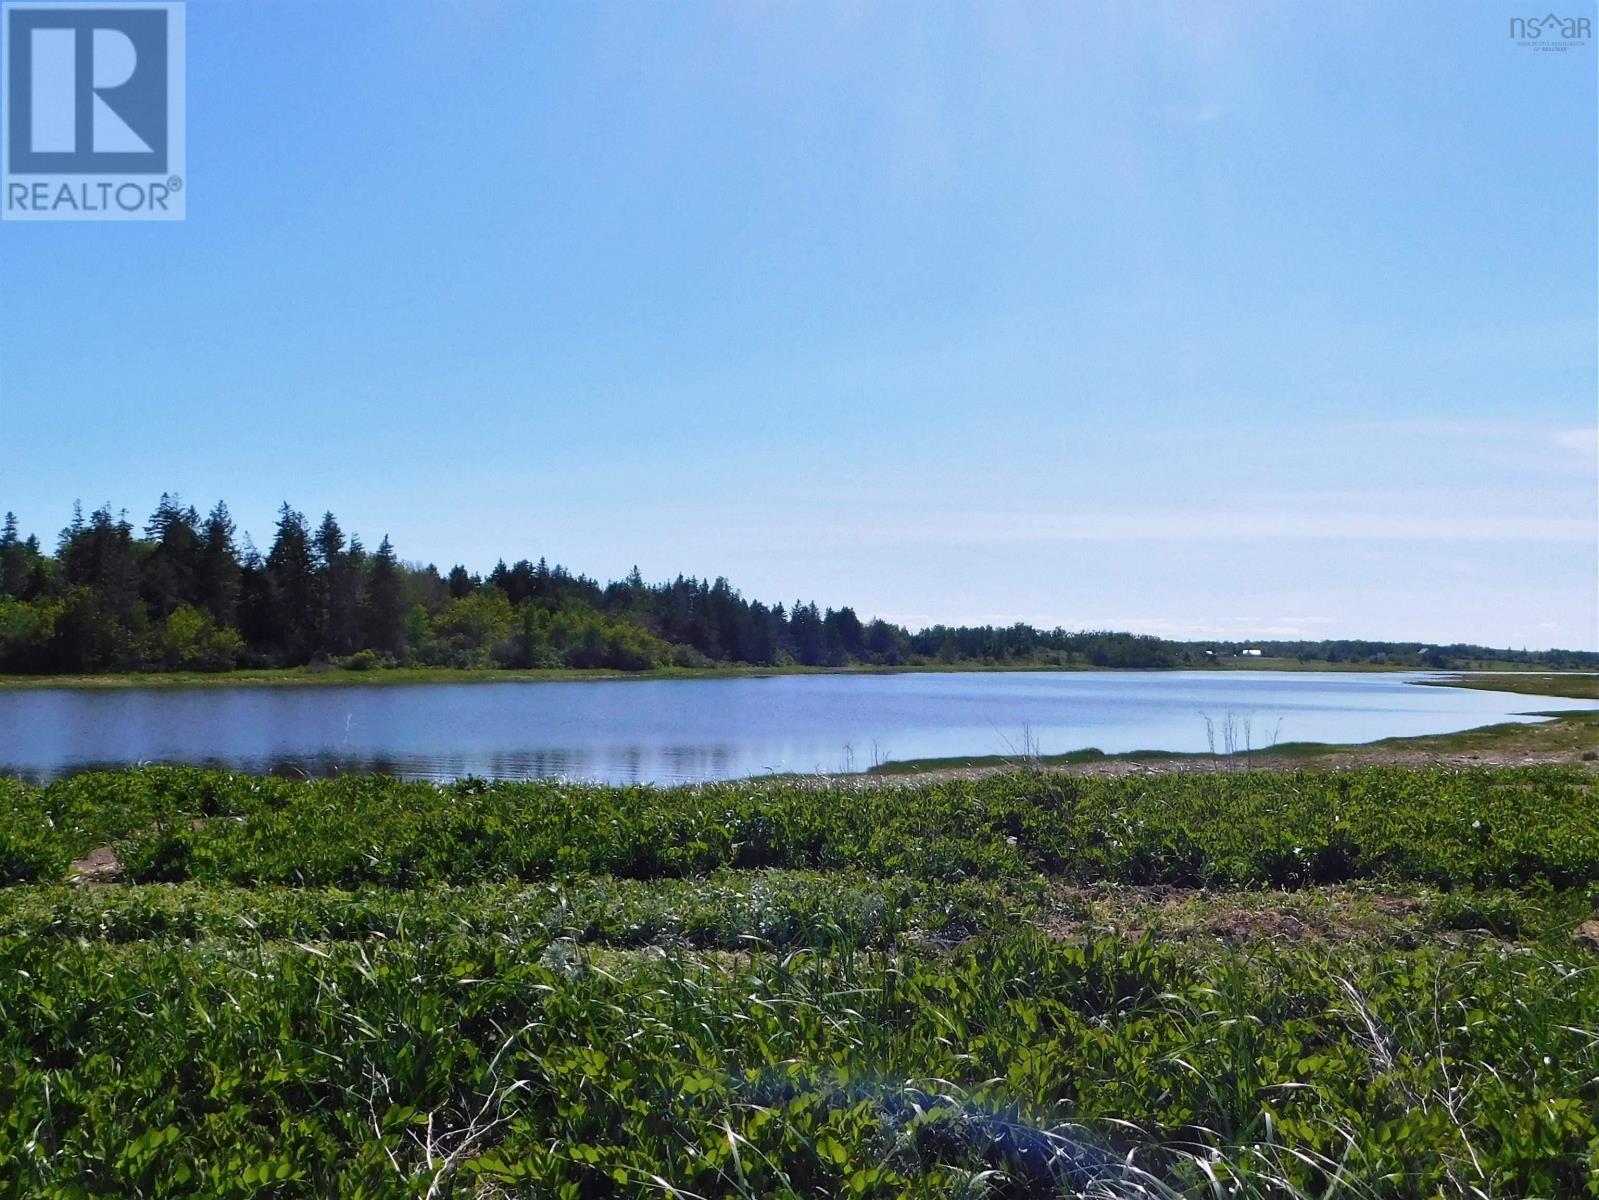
(1250, 653)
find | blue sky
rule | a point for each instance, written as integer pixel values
(1201, 320)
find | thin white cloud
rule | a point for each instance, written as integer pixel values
(1583, 441)
(1579, 441)
(1382, 516)
(1201, 114)
(1231, 525)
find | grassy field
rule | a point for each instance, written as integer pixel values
(1575, 685)
(1378, 982)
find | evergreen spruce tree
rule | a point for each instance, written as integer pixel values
(216, 572)
(384, 612)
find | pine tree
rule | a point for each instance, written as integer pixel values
(216, 572)
(103, 621)
(168, 576)
(339, 591)
(384, 612)
(14, 562)
(292, 571)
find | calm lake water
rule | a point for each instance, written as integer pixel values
(672, 731)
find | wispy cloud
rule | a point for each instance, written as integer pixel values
(1200, 114)
(1391, 514)
(1377, 516)
(1578, 441)
(1231, 525)
(1582, 441)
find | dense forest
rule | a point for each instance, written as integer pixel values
(189, 593)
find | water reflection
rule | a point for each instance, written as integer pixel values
(672, 731)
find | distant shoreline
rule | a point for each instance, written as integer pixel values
(1562, 736)
(413, 676)
(401, 676)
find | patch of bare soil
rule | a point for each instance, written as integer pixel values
(1179, 913)
(1256, 924)
(1393, 906)
(1066, 929)
(100, 865)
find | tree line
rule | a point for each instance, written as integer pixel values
(187, 592)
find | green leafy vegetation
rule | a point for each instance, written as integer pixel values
(190, 596)
(1375, 983)
(1241, 829)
